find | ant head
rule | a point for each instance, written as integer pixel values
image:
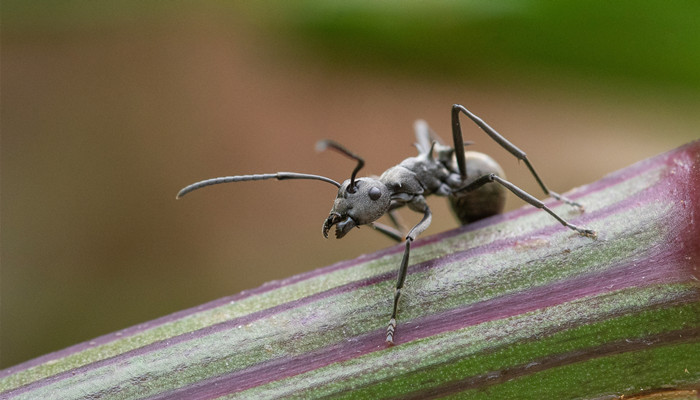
(359, 201)
(362, 204)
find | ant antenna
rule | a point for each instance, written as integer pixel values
(325, 144)
(257, 177)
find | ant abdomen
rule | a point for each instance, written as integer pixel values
(485, 201)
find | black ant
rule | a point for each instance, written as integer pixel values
(437, 169)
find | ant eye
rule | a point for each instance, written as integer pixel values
(375, 193)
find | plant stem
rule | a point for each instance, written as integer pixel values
(514, 306)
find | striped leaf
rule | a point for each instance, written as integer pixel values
(515, 306)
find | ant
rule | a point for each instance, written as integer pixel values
(438, 169)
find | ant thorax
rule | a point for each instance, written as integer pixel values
(420, 175)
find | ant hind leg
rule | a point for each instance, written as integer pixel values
(527, 198)
(503, 142)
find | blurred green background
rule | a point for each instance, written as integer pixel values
(109, 108)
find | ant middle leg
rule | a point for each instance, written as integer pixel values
(503, 142)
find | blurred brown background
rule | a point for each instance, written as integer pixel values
(108, 109)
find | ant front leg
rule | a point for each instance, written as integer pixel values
(417, 204)
(503, 142)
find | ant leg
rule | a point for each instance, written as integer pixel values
(396, 232)
(526, 197)
(397, 294)
(420, 227)
(519, 154)
(387, 230)
(396, 220)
